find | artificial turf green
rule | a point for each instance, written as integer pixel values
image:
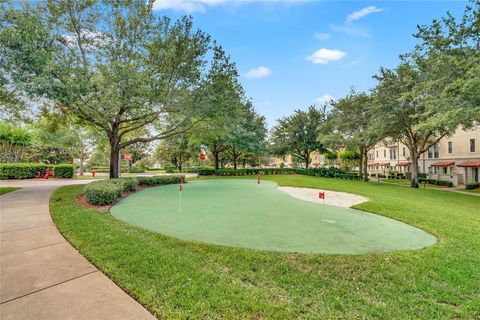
(176, 279)
(242, 213)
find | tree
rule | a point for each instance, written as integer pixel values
(401, 113)
(224, 96)
(114, 65)
(448, 57)
(354, 118)
(247, 137)
(297, 134)
(176, 150)
(14, 141)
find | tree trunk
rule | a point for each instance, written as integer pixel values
(364, 164)
(216, 159)
(360, 163)
(80, 167)
(414, 177)
(114, 153)
(365, 169)
(306, 162)
(114, 161)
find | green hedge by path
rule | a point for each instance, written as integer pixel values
(64, 171)
(436, 182)
(29, 170)
(107, 191)
(472, 186)
(22, 170)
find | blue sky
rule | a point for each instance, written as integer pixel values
(295, 53)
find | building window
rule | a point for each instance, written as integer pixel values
(384, 153)
(377, 153)
(393, 154)
(450, 147)
(430, 153)
(472, 145)
(404, 151)
(436, 151)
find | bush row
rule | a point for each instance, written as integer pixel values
(29, 170)
(436, 182)
(107, 191)
(473, 185)
(330, 172)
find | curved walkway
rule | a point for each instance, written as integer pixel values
(41, 275)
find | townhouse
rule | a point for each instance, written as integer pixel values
(455, 158)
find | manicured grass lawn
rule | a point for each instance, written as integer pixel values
(178, 280)
(406, 182)
(473, 190)
(4, 190)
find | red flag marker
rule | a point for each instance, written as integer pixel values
(321, 195)
(258, 179)
(181, 187)
(183, 180)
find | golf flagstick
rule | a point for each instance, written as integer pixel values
(180, 198)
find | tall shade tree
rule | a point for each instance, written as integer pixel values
(14, 141)
(401, 113)
(113, 64)
(224, 98)
(297, 134)
(247, 137)
(353, 119)
(448, 57)
(176, 150)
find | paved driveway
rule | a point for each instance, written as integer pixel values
(41, 275)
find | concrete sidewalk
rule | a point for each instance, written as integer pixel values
(41, 275)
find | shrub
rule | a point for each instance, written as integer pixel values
(64, 171)
(472, 186)
(159, 180)
(129, 184)
(436, 182)
(103, 192)
(170, 169)
(137, 170)
(21, 170)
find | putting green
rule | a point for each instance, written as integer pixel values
(241, 213)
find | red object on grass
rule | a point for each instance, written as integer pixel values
(93, 173)
(39, 175)
(181, 187)
(321, 195)
(183, 180)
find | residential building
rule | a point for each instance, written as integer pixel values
(455, 158)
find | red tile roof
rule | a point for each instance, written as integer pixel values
(443, 164)
(469, 164)
(403, 164)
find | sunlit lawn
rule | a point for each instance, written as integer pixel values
(175, 279)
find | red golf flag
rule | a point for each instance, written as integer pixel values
(181, 187)
(321, 195)
(183, 180)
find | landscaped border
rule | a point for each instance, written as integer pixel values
(178, 279)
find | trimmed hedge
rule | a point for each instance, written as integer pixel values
(436, 182)
(29, 170)
(330, 172)
(21, 170)
(64, 171)
(472, 186)
(107, 191)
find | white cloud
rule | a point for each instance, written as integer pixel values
(259, 72)
(362, 13)
(322, 36)
(201, 5)
(325, 99)
(324, 55)
(185, 5)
